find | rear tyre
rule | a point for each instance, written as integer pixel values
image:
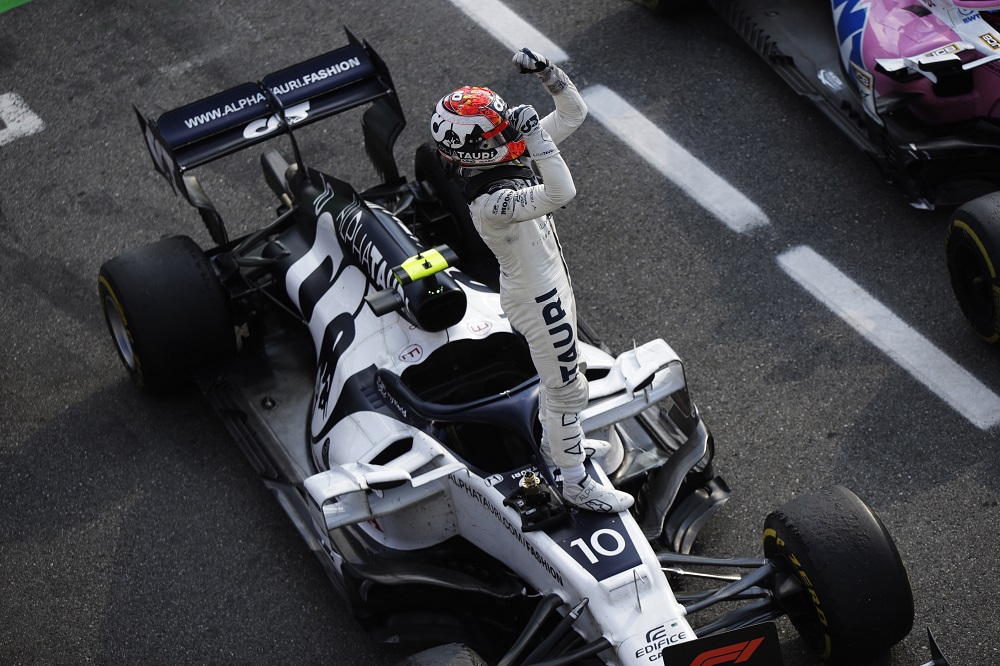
(840, 579)
(973, 250)
(167, 312)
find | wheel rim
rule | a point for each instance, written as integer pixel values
(119, 331)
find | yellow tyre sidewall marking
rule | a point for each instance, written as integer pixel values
(993, 274)
(807, 583)
(979, 244)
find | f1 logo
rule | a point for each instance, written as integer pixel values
(736, 653)
(756, 645)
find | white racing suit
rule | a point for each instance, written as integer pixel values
(516, 223)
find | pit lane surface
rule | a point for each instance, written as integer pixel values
(135, 532)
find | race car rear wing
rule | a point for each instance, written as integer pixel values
(251, 113)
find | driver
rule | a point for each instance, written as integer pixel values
(511, 209)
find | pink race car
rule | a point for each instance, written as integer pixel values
(938, 59)
(916, 85)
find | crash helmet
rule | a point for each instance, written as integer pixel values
(471, 129)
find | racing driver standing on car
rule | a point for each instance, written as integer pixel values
(511, 209)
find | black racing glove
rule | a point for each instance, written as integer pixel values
(527, 61)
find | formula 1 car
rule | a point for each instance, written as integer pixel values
(915, 84)
(356, 350)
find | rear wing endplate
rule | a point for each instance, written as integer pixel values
(243, 116)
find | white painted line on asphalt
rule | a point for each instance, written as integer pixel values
(668, 157)
(508, 28)
(17, 119)
(931, 367)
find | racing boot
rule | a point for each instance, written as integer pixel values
(589, 495)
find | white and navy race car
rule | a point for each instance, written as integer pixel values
(356, 350)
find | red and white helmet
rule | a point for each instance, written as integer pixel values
(470, 128)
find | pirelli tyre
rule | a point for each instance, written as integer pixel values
(167, 312)
(841, 580)
(972, 246)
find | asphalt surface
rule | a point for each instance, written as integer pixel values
(133, 531)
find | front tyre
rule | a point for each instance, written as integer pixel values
(167, 312)
(840, 578)
(972, 246)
